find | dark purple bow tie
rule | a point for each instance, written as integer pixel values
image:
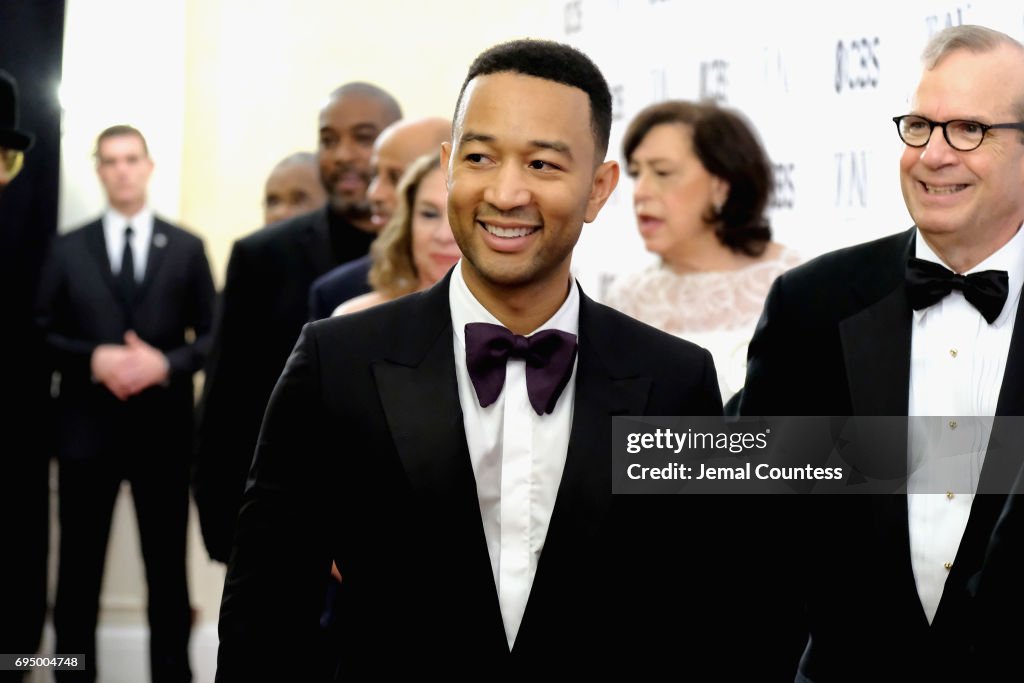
(549, 356)
(928, 283)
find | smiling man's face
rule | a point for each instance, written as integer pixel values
(522, 179)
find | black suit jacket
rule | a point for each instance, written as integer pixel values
(334, 288)
(262, 309)
(363, 459)
(80, 306)
(834, 339)
(998, 594)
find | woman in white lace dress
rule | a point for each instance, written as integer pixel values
(701, 186)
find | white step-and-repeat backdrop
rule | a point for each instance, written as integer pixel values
(820, 82)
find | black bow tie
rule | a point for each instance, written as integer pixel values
(549, 356)
(928, 282)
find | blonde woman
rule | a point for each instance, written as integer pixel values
(416, 248)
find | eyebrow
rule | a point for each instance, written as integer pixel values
(553, 145)
(652, 160)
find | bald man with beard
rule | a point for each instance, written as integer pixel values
(264, 303)
(396, 148)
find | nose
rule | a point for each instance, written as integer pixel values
(346, 151)
(641, 187)
(508, 188)
(381, 193)
(937, 152)
(443, 234)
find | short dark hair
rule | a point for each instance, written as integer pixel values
(727, 147)
(118, 131)
(553, 62)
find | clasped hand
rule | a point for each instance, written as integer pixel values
(130, 368)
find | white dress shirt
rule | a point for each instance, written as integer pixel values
(114, 224)
(957, 362)
(517, 455)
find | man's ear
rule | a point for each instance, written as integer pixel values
(446, 155)
(605, 179)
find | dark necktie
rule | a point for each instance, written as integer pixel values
(549, 357)
(126, 278)
(928, 283)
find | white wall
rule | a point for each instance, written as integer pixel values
(124, 62)
(259, 70)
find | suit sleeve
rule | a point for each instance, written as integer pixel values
(69, 354)
(316, 304)
(280, 562)
(189, 358)
(711, 394)
(230, 410)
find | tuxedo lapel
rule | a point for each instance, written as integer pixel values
(1011, 393)
(876, 345)
(96, 244)
(876, 340)
(159, 243)
(1002, 461)
(585, 490)
(419, 394)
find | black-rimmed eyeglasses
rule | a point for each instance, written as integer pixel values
(965, 136)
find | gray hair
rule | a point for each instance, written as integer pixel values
(967, 37)
(971, 37)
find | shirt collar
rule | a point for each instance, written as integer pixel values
(114, 223)
(466, 309)
(1009, 257)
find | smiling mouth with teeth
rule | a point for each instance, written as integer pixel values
(508, 232)
(942, 189)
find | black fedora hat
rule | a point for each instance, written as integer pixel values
(10, 136)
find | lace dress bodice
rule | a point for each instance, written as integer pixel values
(717, 310)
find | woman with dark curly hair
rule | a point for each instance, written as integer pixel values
(701, 186)
(416, 248)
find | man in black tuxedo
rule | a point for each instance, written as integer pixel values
(397, 147)
(468, 502)
(264, 303)
(126, 306)
(886, 328)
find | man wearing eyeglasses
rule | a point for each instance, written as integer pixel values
(918, 323)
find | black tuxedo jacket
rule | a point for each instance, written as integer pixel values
(80, 306)
(362, 458)
(337, 286)
(998, 594)
(835, 339)
(263, 307)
